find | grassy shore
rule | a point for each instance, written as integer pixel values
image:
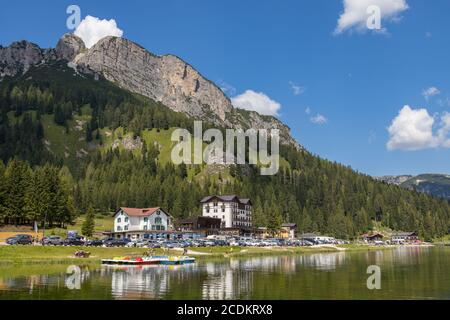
(59, 254)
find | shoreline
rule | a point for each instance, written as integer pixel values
(10, 255)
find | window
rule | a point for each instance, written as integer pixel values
(126, 228)
(126, 219)
(145, 227)
(158, 220)
(119, 228)
(119, 220)
(145, 219)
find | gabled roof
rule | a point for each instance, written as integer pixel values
(372, 235)
(289, 225)
(227, 198)
(140, 212)
(405, 234)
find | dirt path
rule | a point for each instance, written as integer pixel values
(193, 252)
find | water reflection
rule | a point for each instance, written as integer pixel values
(150, 282)
(407, 272)
(323, 261)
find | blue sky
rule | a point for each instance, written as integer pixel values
(358, 80)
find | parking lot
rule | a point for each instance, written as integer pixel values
(166, 243)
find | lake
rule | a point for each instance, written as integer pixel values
(406, 273)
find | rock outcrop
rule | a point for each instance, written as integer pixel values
(69, 46)
(167, 79)
(19, 57)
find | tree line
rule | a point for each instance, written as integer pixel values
(41, 194)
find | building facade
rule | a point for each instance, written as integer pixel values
(234, 212)
(405, 237)
(134, 222)
(203, 225)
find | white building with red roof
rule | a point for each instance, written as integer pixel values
(133, 222)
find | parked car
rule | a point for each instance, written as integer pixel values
(75, 241)
(133, 243)
(52, 241)
(116, 242)
(306, 243)
(220, 243)
(20, 239)
(94, 243)
(209, 243)
(168, 245)
(140, 244)
(197, 243)
(153, 244)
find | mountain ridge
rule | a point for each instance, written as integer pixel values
(164, 78)
(431, 183)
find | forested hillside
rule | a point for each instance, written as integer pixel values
(99, 146)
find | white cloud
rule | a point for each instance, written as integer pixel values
(256, 101)
(412, 129)
(296, 89)
(92, 29)
(308, 110)
(430, 92)
(355, 14)
(319, 119)
(443, 132)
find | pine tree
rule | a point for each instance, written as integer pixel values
(275, 220)
(3, 192)
(87, 229)
(17, 178)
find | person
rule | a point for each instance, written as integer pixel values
(185, 251)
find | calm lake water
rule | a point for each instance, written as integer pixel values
(406, 273)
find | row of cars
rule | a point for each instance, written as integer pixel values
(26, 239)
(23, 239)
(79, 241)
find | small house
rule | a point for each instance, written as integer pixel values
(371, 238)
(405, 237)
(289, 230)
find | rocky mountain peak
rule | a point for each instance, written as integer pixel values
(19, 57)
(69, 46)
(167, 78)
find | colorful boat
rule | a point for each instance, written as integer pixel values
(165, 260)
(133, 260)
(172, 260)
